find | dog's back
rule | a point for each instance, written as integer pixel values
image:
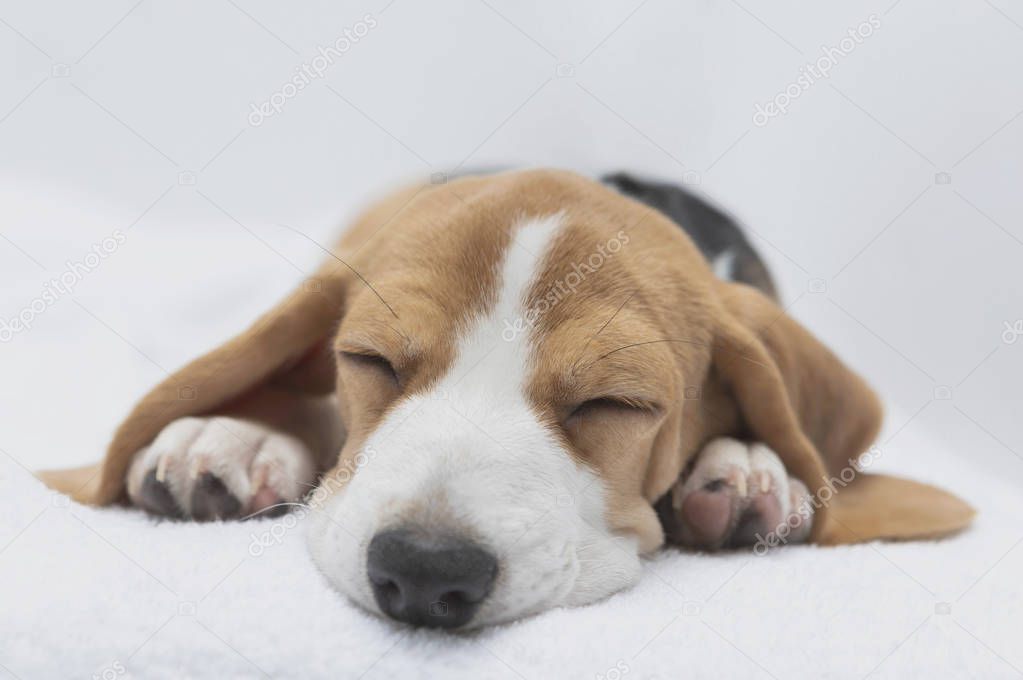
(718, 236)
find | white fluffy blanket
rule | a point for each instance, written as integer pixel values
(111, 593)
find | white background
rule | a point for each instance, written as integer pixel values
(103, 105)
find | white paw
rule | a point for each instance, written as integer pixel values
(735, 495)
(219, 468)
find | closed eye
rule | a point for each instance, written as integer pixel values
(371, 361)
(608, 404)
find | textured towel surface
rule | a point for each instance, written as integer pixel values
(90, 591)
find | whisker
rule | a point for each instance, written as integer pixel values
(400, 334)
(600, 330)
(678, 340)
(350, 267)
(276, 505)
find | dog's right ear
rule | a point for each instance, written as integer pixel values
(797, 397)
(288, 348)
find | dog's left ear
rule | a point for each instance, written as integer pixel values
(286, 351)
(794, 395)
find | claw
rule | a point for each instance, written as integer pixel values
(738, 480)
(197, 466)
(258, 479)
(161, 469)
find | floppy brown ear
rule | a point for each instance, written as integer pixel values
(285, 350)
(881, 506)
(793, 394)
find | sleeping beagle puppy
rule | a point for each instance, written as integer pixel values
(501, 391)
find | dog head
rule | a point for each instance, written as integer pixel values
(515, 375)
(524, 364)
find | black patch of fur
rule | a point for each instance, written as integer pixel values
(713, 231)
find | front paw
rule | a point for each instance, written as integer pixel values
(218, 468)
(736, 495)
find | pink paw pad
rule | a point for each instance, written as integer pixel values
(707, 514)
(734, 495)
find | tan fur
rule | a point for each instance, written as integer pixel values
(652, 323)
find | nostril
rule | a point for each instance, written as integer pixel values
(386, 586)
(456, 597)
(388, 590)
(460, 599)
(428, 579)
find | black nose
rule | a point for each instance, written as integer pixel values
(428, 580)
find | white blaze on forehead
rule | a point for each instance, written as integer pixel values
(496, 348)
(474, 448)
